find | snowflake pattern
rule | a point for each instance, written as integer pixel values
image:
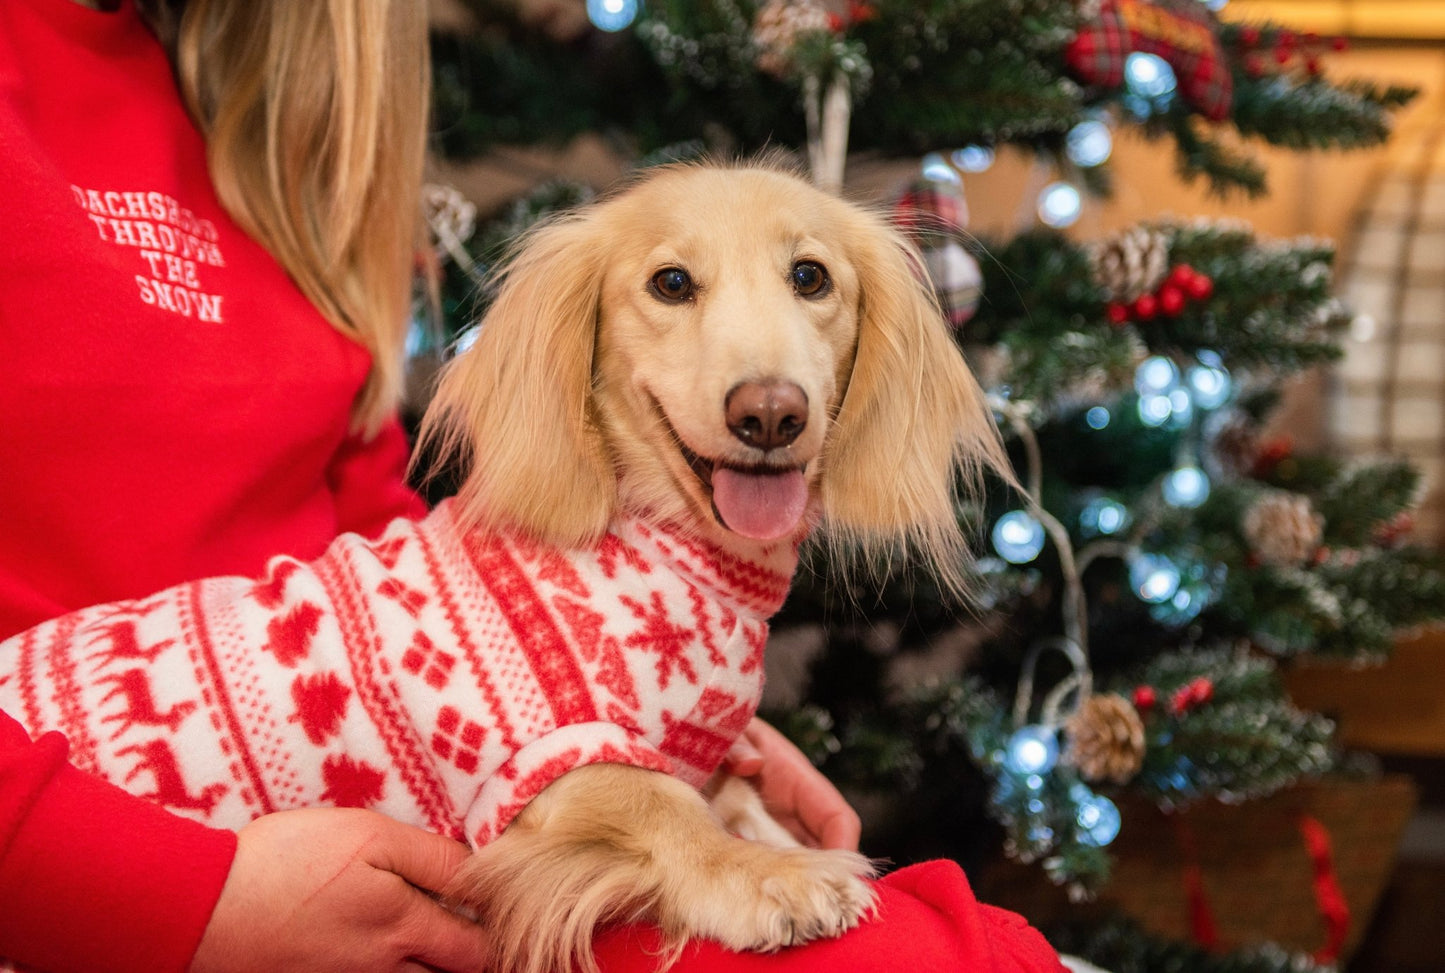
(662, 637)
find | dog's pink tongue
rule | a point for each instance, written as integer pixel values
(763, 506)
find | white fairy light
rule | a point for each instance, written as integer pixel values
(1060, 205)
(612, 15)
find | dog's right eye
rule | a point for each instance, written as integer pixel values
(810, 279)
(672, 284)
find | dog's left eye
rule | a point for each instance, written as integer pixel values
(672, 284)
(810, 279)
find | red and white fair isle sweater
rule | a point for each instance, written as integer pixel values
(443, 679)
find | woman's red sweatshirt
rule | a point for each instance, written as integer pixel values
(171, 407)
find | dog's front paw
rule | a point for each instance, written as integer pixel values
(762, 898)
(811, 895)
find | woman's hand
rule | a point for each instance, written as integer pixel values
(799, 797)
(338, 889)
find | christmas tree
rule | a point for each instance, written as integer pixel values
(1132, 608)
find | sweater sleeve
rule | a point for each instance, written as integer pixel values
(368, 479)
(537, 764)
(92, 878)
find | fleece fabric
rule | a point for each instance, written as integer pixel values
(171, 407)
(441, 678)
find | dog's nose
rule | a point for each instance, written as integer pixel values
(767, 414)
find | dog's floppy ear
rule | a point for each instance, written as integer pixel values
(914, 426)
(515, 409)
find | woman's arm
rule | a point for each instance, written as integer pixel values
(93, 878)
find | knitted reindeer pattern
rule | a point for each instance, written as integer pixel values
(443, 679)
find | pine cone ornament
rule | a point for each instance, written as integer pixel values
(1105, 739)
(1282, 529)
(1131, 263)
(451, 216)
(777, 27)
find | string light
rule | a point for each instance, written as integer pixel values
(1032, 750)
(1098, 819)
(1149, 76)
(1156, 374)
(1157, 382)
(1186, 487)
(1155, 410)
(1103, 515)
(1060, 205)
(1089, 143)
(612, 15)
(973, 158)
(1150, 84)
(1154, 578)
(1185, 606)
(1018, 537)
(1209, 381)
(1181, 408)
(937, 169)
(466, 339)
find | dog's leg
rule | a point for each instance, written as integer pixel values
(612, 843)
(740, 809)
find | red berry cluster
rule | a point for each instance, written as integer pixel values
(1284, 47)
(1184, 284)
(857, 13)
(1191, 695)
(1394, 531)
(1273, 455)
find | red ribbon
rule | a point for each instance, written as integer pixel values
(1201, 916)
(1329, 896)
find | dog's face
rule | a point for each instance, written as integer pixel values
(726, 347)
(726, 334)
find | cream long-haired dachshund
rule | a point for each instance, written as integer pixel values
(673, 390)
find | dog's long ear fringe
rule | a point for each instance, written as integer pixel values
(515, 409)
(914, 433)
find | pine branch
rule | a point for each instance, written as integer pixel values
(1247, 741)
(1198, 155)
(926, 76)
(1270, 309)
(1381, 593)
(1309, 115)
(1357, 501)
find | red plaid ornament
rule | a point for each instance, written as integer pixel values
(931, 212)
(935, 215)
(1179, 31)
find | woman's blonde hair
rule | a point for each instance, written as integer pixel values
(315, 113)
